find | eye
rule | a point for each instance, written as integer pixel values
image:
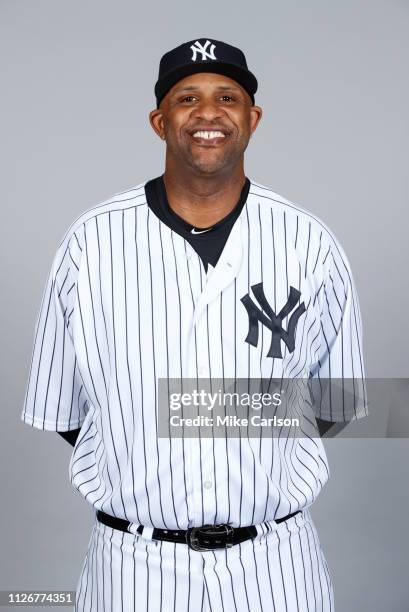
(187, 99)
(227, 98)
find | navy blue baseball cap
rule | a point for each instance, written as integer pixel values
(203, 55)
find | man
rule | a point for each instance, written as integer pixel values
(200, 273)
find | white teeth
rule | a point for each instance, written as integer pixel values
(209, 135)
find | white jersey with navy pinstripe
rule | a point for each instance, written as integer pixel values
(128, 301)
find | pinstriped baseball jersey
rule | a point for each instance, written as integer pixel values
(128, 301)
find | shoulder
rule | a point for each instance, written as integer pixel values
(294, 212)
(122, 200)
(306, 228)
(69, 250)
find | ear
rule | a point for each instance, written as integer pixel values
(157, 123)
(256, 113)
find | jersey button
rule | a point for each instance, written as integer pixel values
(208, 484)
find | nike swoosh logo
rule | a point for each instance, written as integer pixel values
(195, 231)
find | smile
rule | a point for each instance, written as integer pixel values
(209, 137)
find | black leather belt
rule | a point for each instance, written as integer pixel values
(207, 537)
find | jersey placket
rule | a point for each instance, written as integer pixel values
(203, 448)
(191, 276)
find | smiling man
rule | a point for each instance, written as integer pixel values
(199, 273)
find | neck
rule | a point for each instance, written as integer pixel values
(203, 200)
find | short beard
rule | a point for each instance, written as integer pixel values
(229, 160)
(218, 165)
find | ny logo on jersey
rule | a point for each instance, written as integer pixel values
(199, 48)
(272, 321)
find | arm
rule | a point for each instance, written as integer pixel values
(337, 380)
(331, 426)
(56, 399)
(71, 436)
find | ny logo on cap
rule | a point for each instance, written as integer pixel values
(272, 321)
(199, 48)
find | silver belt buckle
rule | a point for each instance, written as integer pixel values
(196, 535)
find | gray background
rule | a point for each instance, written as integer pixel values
(77, 86)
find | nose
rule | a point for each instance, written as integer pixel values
(207, 109)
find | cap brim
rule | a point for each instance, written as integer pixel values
(244, 77)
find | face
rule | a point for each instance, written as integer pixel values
(206, 120)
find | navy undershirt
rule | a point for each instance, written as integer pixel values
(209, 244)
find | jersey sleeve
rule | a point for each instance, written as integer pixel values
(55, 397)
(337, 378)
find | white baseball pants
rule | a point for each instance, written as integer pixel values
(282, 570)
